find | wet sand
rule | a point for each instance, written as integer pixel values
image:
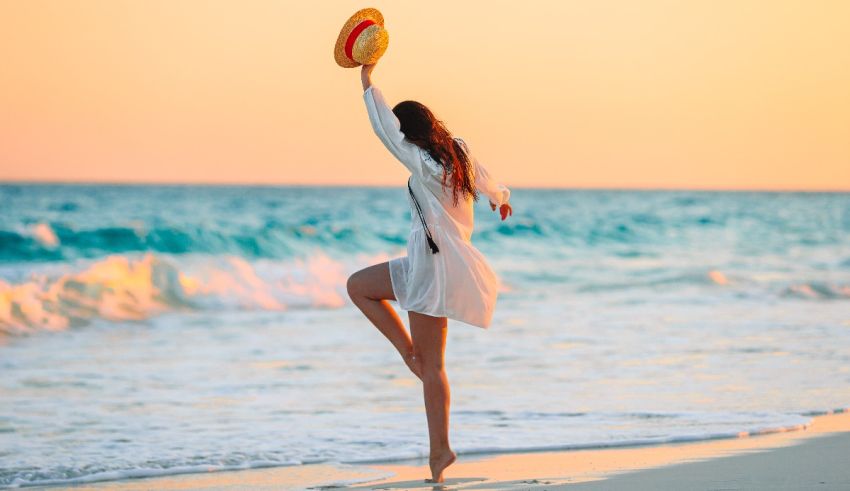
(812, 457)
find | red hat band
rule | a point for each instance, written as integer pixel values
(349, 43)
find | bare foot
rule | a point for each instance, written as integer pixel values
(413, 364)
(439, 463)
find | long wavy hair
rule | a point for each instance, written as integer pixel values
(421, 127)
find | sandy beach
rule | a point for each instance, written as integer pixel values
(811, 457)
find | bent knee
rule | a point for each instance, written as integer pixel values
(352, 286)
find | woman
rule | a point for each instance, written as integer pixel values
(443, 275)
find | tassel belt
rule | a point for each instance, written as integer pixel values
(431, 243)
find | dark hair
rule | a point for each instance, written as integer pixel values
(421, 127)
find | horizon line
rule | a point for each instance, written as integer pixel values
(4, 182)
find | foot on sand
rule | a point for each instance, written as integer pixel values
(439, 463)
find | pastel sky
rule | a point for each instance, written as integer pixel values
(628, 94)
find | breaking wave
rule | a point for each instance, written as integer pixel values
(126, 288)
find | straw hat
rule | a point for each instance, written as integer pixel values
(362, 39)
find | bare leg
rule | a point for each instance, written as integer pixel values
(429, 342)
(369, 289)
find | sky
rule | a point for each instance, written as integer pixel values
(605, 94)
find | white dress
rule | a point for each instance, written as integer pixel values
(456, 282)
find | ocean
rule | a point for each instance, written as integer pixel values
(149, 330)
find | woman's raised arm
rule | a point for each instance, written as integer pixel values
(386, 125)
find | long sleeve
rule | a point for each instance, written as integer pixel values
(388, 128)
(485, 183)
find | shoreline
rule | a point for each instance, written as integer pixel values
(664, 464)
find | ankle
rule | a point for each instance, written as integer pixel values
(442, 452)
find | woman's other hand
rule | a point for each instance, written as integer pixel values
(505, 210)
(365, 74)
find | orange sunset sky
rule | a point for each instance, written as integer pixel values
(633, 94)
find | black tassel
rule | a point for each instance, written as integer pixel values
(433, 245)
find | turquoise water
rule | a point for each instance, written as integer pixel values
(163, 329)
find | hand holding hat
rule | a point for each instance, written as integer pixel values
(362, 40)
